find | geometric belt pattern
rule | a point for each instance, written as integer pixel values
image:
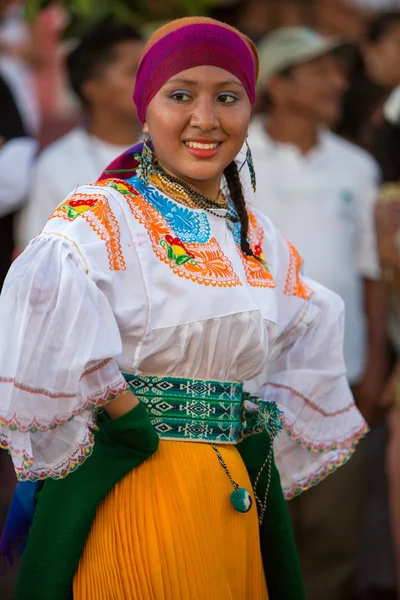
(183, 409)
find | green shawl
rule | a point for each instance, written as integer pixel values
(66, 509)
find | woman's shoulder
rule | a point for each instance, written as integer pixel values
(259, 220)
(97, 220)
(285, 263)
(85, 198)
(103, 206)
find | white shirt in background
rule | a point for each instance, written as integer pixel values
(17, 160)
(18, 76)
(17, 73)
(75, 159)
(324, 202)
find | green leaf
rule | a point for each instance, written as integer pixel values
(195, 7)
(181, 260)
(85, 8)
(32, 8)
(86, 13)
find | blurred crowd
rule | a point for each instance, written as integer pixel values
(325, 140)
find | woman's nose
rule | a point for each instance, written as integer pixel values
(205, 114)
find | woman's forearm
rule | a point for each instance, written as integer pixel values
(121, 405)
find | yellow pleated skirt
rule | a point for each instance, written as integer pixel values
(168, 531)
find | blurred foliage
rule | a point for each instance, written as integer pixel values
(84, 13)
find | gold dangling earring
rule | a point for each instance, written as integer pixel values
(250, 166)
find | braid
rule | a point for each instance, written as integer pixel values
(232, 178)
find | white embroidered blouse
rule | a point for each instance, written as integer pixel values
(123, 278)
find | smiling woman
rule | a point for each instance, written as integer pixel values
(155, 306)
(198, 123)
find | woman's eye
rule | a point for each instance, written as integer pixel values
(227, 98)
(181, 96)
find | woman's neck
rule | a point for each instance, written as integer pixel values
(209, 188)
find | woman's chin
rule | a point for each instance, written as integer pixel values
(201, 170)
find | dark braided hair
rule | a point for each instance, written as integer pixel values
(232, 177)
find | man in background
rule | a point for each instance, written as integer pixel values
(102, 70)
(320, 191)
(17, 155)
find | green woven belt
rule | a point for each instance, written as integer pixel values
(198, 410)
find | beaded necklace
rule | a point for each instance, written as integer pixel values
(181, 191)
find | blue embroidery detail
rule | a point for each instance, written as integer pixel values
(188, 225)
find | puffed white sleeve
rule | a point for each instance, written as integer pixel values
(59, 339)
(307, 376)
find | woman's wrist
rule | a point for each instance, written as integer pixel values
(121, 405)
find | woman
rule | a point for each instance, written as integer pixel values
(375, 72)
(164, 277)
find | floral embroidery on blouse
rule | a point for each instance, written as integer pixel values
(177, 251)
(95, 209)
(192, 226)
(260, 255)
(203, 263)
(255, 267)
(188, 225)
(294, 285)
(74, 208)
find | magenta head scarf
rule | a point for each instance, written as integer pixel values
(188, 43)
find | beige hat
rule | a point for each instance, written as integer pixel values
(290, 46)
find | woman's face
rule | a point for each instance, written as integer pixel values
(383, 58)
(197, 123)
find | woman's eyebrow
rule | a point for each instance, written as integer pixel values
(192, 82)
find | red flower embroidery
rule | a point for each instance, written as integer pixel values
(176, 250)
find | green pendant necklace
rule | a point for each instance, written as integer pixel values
(240, 497)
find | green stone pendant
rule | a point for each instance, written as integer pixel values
(241, 500)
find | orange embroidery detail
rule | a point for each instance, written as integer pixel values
(257, 273)
(295, 286)
(95, 209)
(207, 265)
